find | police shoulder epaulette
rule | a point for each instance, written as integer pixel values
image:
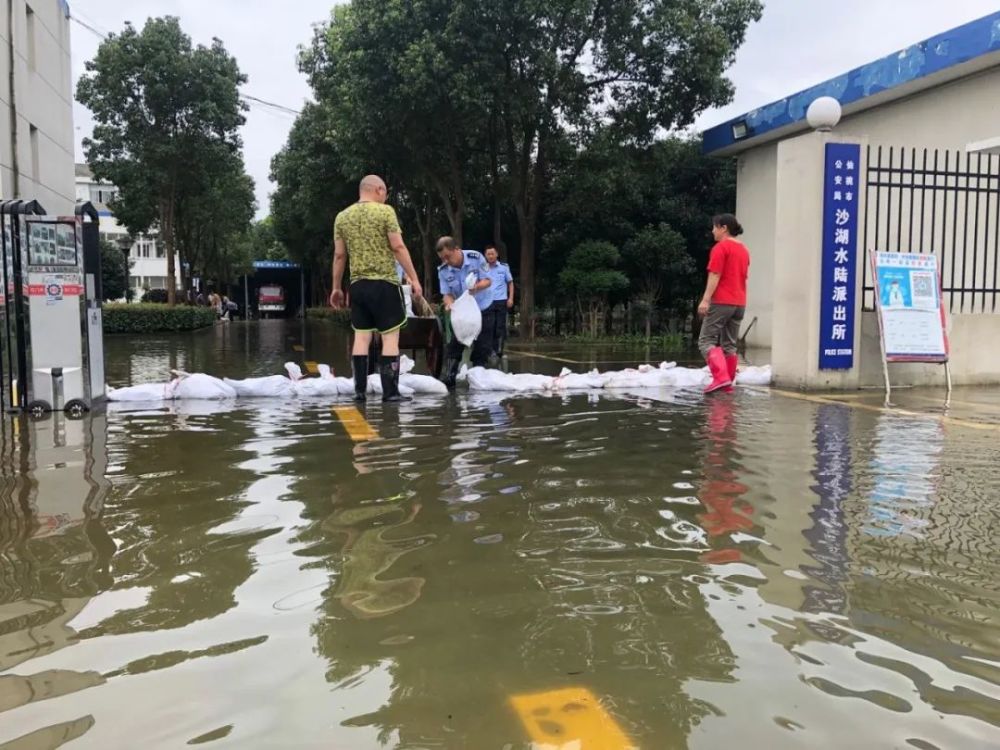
(472, 254)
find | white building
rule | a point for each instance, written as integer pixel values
(148, 257)
(925, 120)
(36, 116)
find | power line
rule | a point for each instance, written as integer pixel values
(279, 107)
(245, 97)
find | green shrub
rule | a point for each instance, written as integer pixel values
(328, 313)
(155, 318)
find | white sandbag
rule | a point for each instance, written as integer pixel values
(272, 386)
(325, 385)
(199, 385)
(754, 376)
(644, 376)
(345, 386)
(572, 381)
(317, 388)
(483, 379)
(406, 364)
(466, 319)
(408, 300)
(147, 392)
(423, 384)
(293, 370)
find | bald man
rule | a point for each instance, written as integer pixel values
(369, 232)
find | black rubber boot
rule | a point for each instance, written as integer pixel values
(388, 369)
(360, 364)
(451, 373)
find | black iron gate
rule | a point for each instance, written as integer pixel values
(941, 202)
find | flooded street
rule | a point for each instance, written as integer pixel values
(651, 569)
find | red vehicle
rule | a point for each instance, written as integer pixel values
(270, 299)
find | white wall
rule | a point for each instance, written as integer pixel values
(779, 200)
(44, 100)
(755, 210)
(949, 116)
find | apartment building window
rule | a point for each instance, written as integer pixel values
(35, 168)
(161, 252)
(29, 27)
(145, 248)
(102, 195)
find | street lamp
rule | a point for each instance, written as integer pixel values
(823, 114)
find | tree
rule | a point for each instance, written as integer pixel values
(657, 261)
(264, 244)
(163, 111)
(213, 221)
(635, 66)
(591, 278)
(115, 266)
(640, 187)
(312, 189)
(417, 110)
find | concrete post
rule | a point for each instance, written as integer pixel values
(798, 243)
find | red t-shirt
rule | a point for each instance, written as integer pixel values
(731, 260)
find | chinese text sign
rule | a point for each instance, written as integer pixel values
(841, 191)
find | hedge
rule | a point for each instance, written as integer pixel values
(328, 313)
(155, 318)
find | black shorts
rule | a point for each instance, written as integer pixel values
(377, 305)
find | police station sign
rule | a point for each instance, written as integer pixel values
(841, 182)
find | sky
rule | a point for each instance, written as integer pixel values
(798, 43)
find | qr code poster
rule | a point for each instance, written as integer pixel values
(909, 304)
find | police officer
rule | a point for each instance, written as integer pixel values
(456, 265)
(502, 288)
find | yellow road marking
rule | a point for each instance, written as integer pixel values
(298, 348)
(944, 419)
(355, 423)
(311, 367)
(571, 717)
(941, 402)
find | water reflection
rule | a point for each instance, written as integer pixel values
(246, 573)
(54, 556)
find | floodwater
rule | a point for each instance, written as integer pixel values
(653, 570)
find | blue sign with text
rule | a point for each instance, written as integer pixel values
(841, 192)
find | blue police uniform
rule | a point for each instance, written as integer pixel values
(499, 276)
(495, 320)
(452, 279)
(452, 282)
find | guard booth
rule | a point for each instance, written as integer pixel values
(51, 340)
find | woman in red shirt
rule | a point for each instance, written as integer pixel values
(724, 302)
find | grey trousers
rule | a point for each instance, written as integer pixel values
(721, 328)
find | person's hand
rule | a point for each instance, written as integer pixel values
(703, 308)
(416, 289)
(510, 303)
(447, 304)
(337, 299)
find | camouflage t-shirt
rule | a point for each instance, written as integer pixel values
(364, 228)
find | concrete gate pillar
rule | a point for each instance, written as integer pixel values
(798, 244)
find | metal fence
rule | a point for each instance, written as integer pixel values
(941, 202)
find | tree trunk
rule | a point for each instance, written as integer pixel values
(526, 270)
(529, 201)
(649, 323)
(495, 179)
(167, 235)
(425, 226)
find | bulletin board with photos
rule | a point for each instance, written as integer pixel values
(52, 244)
